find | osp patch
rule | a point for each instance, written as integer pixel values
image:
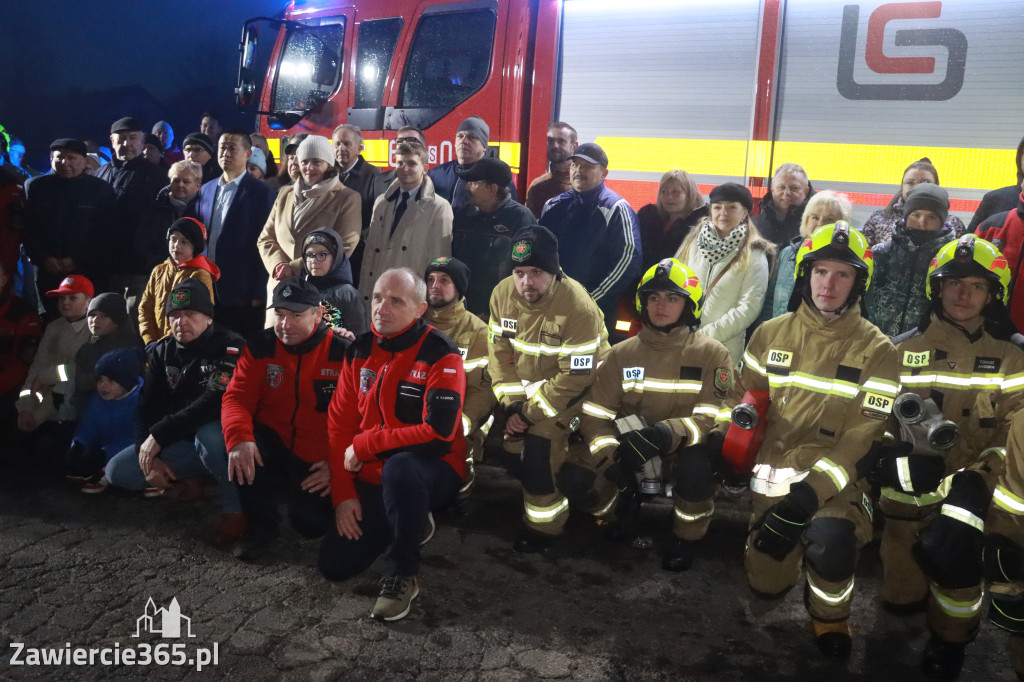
(275, 373)
(521, 251)
(366, 379)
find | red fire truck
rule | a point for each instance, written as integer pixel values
(725, 89)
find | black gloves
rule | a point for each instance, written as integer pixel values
(911, 474)
(517, 408)
(636, 448)
(1002, 559)
(782, 526)
(949, 548)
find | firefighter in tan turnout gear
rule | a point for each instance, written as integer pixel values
(447, 279)
(969, 378)
(832, 378)
(673, 379)
(547, 337)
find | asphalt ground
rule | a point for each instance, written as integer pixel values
(76, 572)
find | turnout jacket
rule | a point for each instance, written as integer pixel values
(544, 353)
(184, 385)
(1006, 511)
(977, 382)
(400, 393)
(469, 334)
(286, 388)
(678, 379)
(832, 386)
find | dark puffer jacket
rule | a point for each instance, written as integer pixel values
(342, 302)
(776, 230)
(896, 299)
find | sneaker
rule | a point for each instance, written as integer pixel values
(395, 600)
(76, 478)
(153, 491)
(95, 487)
(428, 529)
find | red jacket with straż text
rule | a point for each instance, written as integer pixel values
(402, 393)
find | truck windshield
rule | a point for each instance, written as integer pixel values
(310, 67)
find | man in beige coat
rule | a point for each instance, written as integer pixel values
(410, 225)
(317, 199)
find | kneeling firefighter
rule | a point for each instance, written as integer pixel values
(832, 378)
(961, 362)
(668, 381)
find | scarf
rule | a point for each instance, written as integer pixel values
(306, 196)
(714, 248)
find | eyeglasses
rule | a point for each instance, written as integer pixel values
(319, 257)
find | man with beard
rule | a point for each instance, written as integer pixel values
(470, 146)
(561, 144)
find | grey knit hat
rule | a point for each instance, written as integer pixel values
(927, 197)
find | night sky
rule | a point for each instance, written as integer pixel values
(71, 68)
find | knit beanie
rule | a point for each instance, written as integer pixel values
(454, 268)
(192, 230)
(112, 305)
(316, 147)
(122, 366)
(477, 126)
(201, 140)
(534, 246)
(259, 159)
(189, 294)
(318, 236)
(732, 191)
(927, 197)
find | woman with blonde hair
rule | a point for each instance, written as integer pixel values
(824, 208)
(733, 260)
(666, 223)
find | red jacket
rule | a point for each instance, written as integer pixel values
(402, 393)
(1006, 230)
(287, 388)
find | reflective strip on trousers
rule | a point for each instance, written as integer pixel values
(832, 598)
(1007, 501)
(963, 516)
(62, 372)
(957, 609)
(546, 514)
(467, 425)
(690, 518)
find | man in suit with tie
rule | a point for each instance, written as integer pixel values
(234, 208)
(410, 226)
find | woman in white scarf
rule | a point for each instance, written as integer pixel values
(733, 261)
(316, 199)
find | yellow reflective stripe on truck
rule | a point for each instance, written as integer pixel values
(825, 161)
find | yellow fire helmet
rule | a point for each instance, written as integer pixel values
(838, 242)
(970, 256)
(671, 275)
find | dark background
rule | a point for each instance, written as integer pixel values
(71, 68)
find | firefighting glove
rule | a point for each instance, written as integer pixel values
(911, 474)
(636, 448)
(783, 525)
(624, 481)
(949, 548)
(1002, 559)
(517, 408)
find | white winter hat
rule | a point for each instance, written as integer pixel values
(316, 147)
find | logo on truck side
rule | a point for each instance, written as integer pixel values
(953, 40)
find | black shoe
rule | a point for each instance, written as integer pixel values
(833, 639)
(942, 660)
(678, 556)
(530, 542)
(906, 610)
(255, 543)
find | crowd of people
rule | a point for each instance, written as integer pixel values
(360, 339)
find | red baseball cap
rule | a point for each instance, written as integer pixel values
(72, 284)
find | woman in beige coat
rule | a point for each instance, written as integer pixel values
(422, 233)
(317, 199)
